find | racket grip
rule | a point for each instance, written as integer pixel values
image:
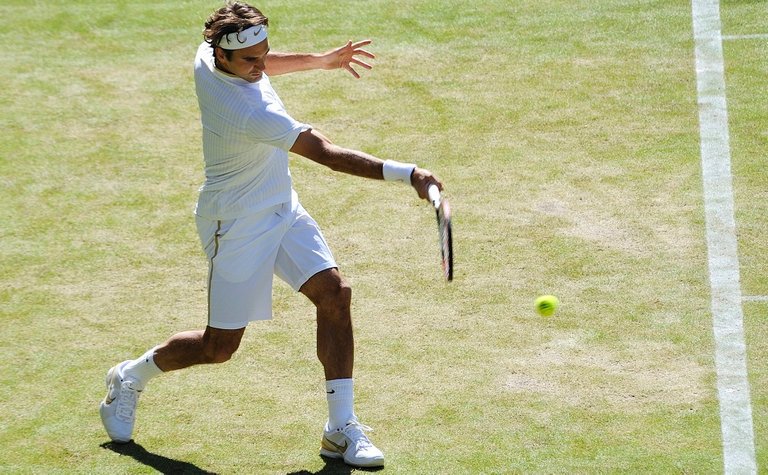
(434, 195)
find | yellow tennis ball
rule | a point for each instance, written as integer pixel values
(546, 305)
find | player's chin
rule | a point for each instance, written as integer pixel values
(253, 77)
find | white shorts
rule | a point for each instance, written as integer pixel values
(244, 253)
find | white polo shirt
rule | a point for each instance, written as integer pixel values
(246, 137)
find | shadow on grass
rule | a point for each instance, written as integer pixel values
(168, 465)
(335, 467)
(157, 462)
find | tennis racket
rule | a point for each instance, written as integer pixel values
(443, 213)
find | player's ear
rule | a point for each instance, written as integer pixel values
(219, 53)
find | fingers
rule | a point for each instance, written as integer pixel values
(359, 44)
(348, 66)
(362, 52)
(346, 63)
(352, 49)
(351, 71)
(361, 63)
(347, 56)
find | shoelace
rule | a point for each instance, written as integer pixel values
(356, 433)
(127, 399)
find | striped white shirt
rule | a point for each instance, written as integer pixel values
(246, 137)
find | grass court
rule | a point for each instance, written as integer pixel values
(567, 134)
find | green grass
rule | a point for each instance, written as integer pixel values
(567, 135)
(747, 116)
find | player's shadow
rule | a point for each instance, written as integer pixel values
(157, 462)
(168, 465)
(335, 467)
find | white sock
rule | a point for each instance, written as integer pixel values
(340, 402)
(142, 369)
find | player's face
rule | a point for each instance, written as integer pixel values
(247, 63)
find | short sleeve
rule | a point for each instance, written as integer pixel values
(273, 126)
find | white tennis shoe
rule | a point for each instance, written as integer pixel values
(118, 409)
(351, 444)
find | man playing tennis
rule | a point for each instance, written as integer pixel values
(252, 226)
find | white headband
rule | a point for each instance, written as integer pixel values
(244, 39)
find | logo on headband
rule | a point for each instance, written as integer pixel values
(244, 39)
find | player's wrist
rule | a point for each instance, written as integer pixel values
(398, 171)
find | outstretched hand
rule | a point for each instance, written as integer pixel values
(346, 56)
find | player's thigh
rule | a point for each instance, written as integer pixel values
(242, 255)
(236, 248)
(303, 252)
(232, 305)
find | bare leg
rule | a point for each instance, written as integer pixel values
(185, 349)
(335, 342)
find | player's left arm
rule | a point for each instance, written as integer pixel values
(345, 57)
(315, 146)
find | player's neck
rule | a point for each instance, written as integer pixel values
(222, 68)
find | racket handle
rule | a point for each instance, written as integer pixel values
(434, 195)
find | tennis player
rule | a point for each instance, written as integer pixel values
(252, 226)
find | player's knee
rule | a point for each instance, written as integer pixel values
(220, 355)
(220, 350)
(337, 297)
(341, 296)
(330, 292)
(344, 293)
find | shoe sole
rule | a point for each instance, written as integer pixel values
(329, 454)
(336, 455)
(104, 403)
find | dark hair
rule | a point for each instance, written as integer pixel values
(233, 17)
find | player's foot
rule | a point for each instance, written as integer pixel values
(118, 409)
(351, 444)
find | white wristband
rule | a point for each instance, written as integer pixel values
(398, 171)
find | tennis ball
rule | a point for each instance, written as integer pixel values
(546, 305)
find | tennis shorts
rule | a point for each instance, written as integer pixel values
(244, 254)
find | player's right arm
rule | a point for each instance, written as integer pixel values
(315, 146)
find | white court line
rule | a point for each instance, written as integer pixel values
(727, 314)
(746, 37)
